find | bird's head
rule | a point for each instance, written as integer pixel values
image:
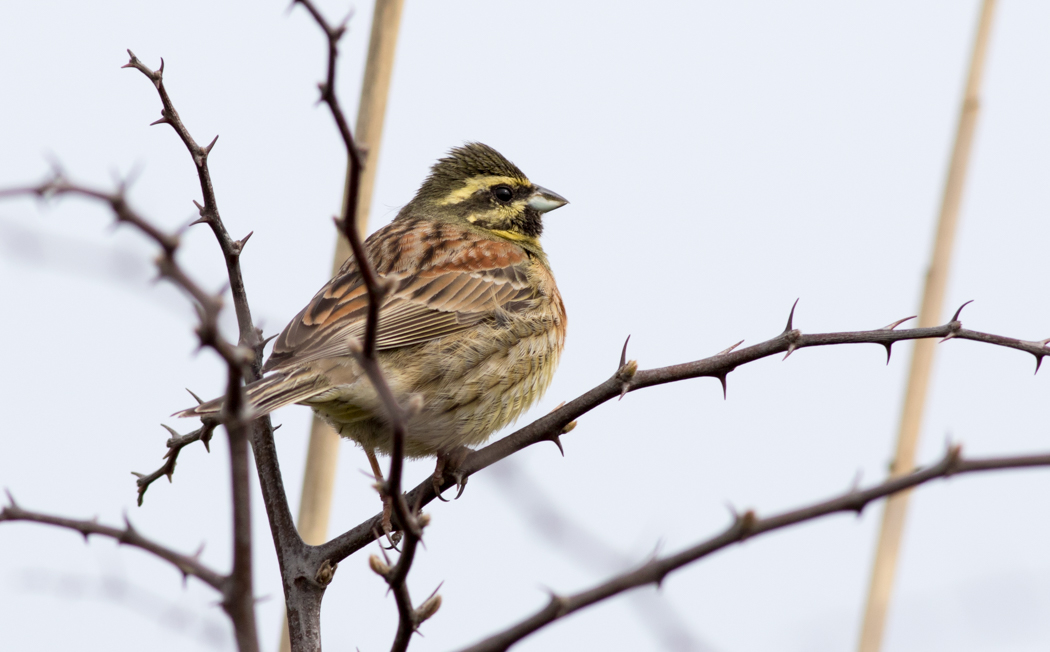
(475, 184)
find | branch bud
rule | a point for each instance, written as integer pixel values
(378, 566)
(429, 607)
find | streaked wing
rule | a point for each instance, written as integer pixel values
(444, 280)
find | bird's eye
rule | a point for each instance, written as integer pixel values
(503, 193)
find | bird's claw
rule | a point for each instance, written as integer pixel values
(450, 463)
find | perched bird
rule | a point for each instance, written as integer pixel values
(470, 331)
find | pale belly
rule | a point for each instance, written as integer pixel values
(464, 387)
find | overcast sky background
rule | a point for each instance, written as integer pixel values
(722, 160)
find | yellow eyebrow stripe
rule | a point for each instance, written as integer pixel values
(475, 184)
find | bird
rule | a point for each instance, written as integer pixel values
(470, 330)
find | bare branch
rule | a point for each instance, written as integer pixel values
(209, 212)
(238, 597)
(208, 305)
(717, 366)
(188, 565)
(409, 523)
(744, 527)
(286, 538)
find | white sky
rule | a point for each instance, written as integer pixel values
(721, 159)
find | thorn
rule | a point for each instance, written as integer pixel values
(656, 549)
(1038, 362)
(195, 397)
(623, 354)
(791, 349)
(267, 340)
(435, 591)
(10, 499)
(163, 119)
(340, 29)
(729, 350)
(791, 318)
(722, 379)
(131, 63)
(956, 316)
(855, 485)
(889, 327)
(732, 511)
(382, 550)
(207, 148)
(557, 442)
(138, 475)
(660, 581)
(170, 430)
(889, 351)
(129, 529)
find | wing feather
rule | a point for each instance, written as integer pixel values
(440, 286)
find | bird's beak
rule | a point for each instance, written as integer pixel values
(544, 200)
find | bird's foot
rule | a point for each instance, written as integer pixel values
(448, 463)
(393, 538)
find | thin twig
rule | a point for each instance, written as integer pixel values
(208, 305)
(175, 445)
(544, 517)
(550, 426)
(188, 565)
(409, 618)
(209, 212)
(745, 526)
(287, 542)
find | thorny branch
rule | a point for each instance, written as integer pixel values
(175, 445)
(188, 565)
(287, 542)
(543, 517)
(411, 525)
(307, 570)
(745, 526)
(209, 212)
(238, 598)
(627, 379)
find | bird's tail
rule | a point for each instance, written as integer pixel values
(267, 394)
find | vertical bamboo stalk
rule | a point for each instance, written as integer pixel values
(322, 456)
(893, 516)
